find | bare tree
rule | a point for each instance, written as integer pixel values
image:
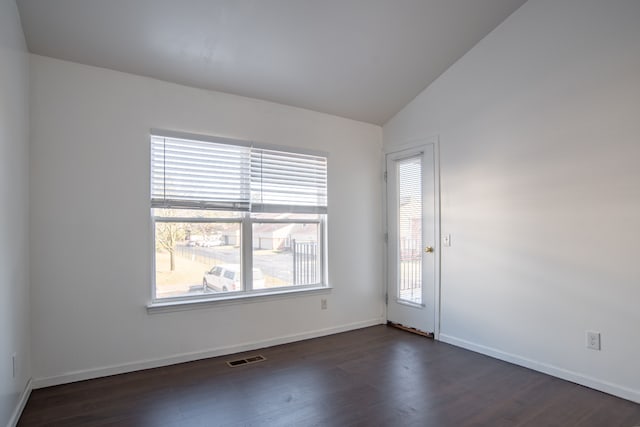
(167, 235)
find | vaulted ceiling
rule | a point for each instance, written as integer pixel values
(360, 59)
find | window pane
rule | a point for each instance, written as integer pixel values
(197, 258)
(285, 254)
(410, 229)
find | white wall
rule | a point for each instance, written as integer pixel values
(540, 165)
(14, 236)
(90, 225)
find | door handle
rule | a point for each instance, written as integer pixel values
(428, 249)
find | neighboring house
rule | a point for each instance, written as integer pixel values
(279, 236)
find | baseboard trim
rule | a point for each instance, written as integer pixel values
(24, 397)
(565, 374)
(87, 374)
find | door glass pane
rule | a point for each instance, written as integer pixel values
(410, 229)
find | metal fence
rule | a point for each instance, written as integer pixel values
(197, 254)
(303, 257)
(305, 262)
(410, 277)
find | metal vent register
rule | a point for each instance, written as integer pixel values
(246, 361)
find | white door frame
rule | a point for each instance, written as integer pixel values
(412, 145)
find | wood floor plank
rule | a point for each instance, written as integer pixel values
(378, 376)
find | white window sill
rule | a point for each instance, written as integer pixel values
(197, 303)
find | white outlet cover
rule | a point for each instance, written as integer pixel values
(593, 340)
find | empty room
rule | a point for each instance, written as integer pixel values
(320, 213)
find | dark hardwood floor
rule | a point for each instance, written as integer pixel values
(377, 376)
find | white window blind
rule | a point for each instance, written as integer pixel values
(288, 182)
(199, 174)
(191, 173)
(410, 199)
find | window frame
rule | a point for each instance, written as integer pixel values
(246, 222)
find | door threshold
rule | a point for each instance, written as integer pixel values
(410, 329)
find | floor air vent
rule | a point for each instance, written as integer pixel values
(246, 361)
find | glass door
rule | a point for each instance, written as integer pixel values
(411, 207)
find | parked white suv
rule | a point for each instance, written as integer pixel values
(225, 278)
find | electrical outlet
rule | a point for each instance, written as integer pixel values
(13, 364)
(593, 340)
(323, 304)
(446, 240)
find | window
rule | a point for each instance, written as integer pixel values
(235, 218)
